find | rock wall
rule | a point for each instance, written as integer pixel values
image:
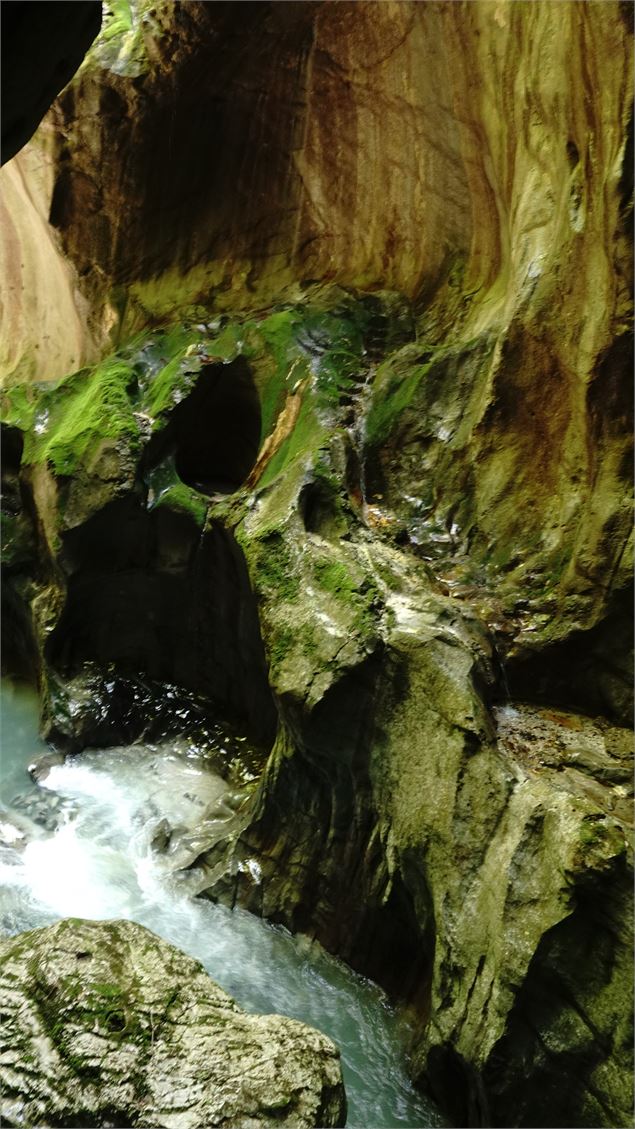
(454, 152)
(450, 842)
(47, 326)
(405, 230)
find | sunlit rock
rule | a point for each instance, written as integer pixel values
(104, 1022)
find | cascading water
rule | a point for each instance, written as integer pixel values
(81, 844)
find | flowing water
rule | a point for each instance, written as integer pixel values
(79, 844)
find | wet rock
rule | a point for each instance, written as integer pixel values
(477, 510)
(45, 810)
(160, 840)
(541, 737)
(104, 1023)
(392, 820)
(39, 769)
(479, 841)
(100, 706)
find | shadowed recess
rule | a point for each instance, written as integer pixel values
(214, 434)
(42, 47)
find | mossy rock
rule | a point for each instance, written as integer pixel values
(107, 1024)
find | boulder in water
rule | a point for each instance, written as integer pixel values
(39, 768)
(105, 1023)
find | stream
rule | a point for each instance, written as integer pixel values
(79, 844)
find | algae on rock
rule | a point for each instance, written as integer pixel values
(362, 641)
(105, 1022)
(435, 527)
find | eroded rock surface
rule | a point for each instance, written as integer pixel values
(437, 838)
(104, 1023)
(448, 151)
(417, 583)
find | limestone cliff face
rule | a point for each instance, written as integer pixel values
(471, 156)
(47, 326)
(373, 146)
(457, 150)
(378, 256)
(453, 843)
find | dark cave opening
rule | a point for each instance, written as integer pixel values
(18, 648)
(214, 434)
(150, 597)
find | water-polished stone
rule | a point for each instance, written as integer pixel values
(104, 1023)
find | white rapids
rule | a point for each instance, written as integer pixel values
(79, 844)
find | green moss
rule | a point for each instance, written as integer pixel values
(334, 338)
(280, 644)
(157, 300)
(601, 843)
(363, 597)
(169, 372)
(117, 19)
(275, 338)
(18, 405)
(394, 389)
(278, 333)
(307, 437)
(271, 566)
(334, 577)
(120, 45)
(84, 409)
(110, 991)
(188, 501)
(230, 342)
(175, 357)
(309, 645)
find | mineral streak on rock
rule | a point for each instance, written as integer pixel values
(104, 1023)
(455, 152)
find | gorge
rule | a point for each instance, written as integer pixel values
(316, 490)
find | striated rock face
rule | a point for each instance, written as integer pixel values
(363, 481)
(451, 843)
(448, 151)
(106, 1024)
(47, 327)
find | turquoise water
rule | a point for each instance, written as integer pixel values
(79, 844)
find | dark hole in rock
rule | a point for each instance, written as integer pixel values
(572, 153)
(383, 927)
(591, 671)
(319, 509)
(19, 648)
(115, 1021)
(148, 594)
(11, 447)
(215, 433)
(19, 652)
(458, 1085)
(535, 1075)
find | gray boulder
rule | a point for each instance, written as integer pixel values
(103, 1023)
